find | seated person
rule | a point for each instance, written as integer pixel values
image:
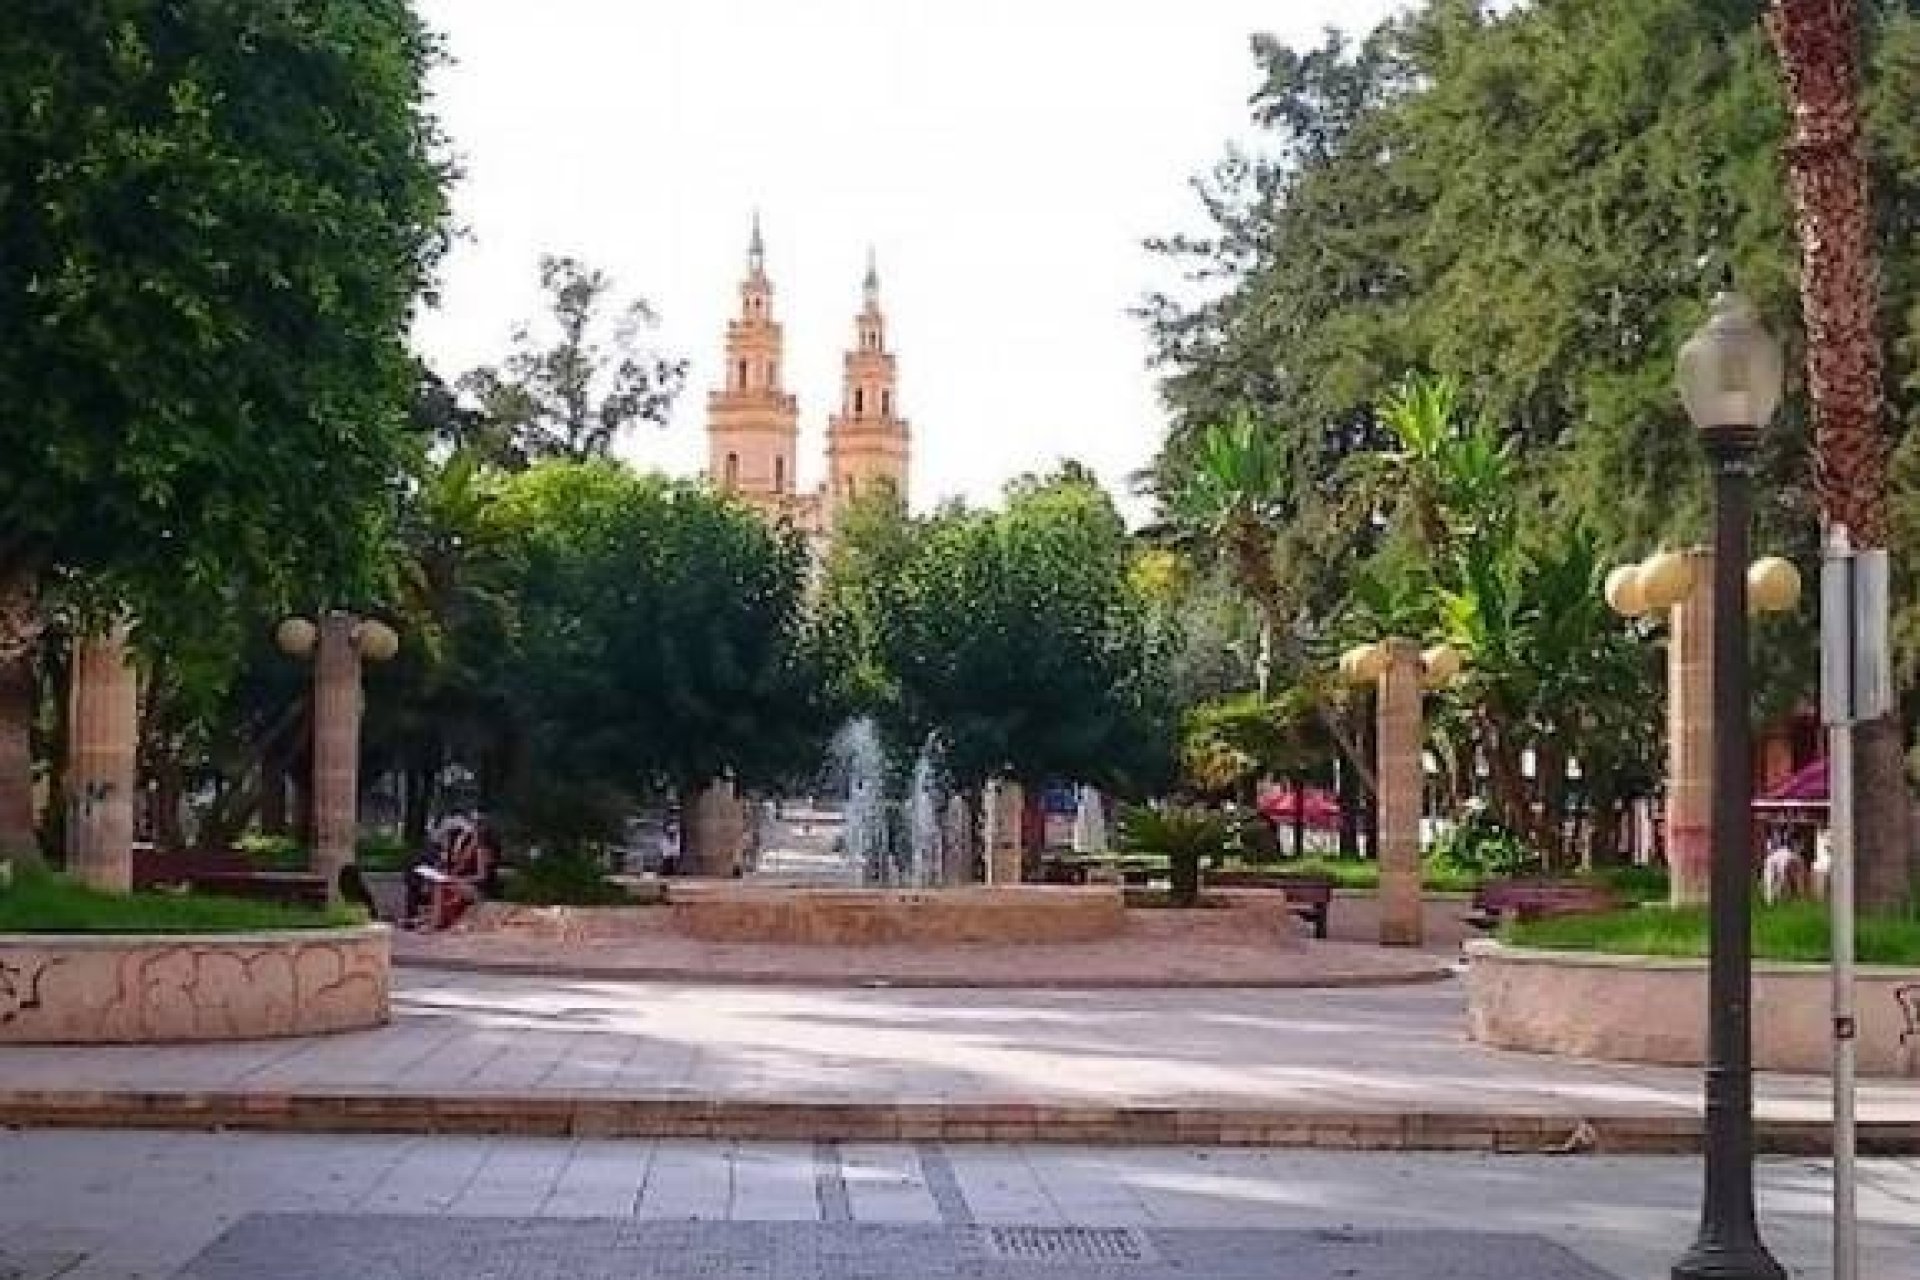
(462, 869)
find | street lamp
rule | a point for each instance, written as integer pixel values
(1677, 587)
(1398, 670)
(1729, 377)
(337, 642)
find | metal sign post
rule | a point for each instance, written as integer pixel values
(1856, 684)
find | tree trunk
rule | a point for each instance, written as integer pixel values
(169, 788)
(419, 804)
(18, 838)
(1819, 46)
(273, 795)
(1349, 814)
(1299, 816)
(20, 626)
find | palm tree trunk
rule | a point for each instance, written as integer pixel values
(1819, 46)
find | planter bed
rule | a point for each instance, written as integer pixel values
(94, 988)
(1654, 1009)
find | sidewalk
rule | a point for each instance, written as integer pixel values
(136, 1206)
(1376, 1067)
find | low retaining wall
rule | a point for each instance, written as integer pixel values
(147, 988)
(731, 912)
(1654, 1009)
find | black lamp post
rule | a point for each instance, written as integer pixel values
(1730, 375)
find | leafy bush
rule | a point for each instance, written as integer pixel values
(40, 902)
(1255, 839)
(380, 852)
(1636, 884)
(564, 879)
(383, 852)
(1478, 847)
(274, 853)
(1185, 835)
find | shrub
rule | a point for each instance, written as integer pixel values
(1185, 835)
(565, 879)
(1478, 847)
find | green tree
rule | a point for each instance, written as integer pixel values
(215, 220)
(570, 395)
(1536, 201)
(662, 639)
(1020, 636)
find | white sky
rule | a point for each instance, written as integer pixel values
(1004, 159)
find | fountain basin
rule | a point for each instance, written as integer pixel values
(730, 911)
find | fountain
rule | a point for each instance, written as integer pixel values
(912, 860)
(866, 835)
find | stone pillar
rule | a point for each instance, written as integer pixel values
(716, 830)
(1006, 805)
(103, 732)
(1401, 782)
(956, 842)
(1690, 734)
(336, 745)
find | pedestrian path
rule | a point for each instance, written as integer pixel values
(1386, 1067)
(121, 1206)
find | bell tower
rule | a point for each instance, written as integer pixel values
(752, 424)
(867, 441)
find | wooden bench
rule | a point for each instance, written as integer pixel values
(1309, 897)
(226, 873)
(1498, 900)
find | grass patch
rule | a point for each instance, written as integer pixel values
(1361, 873)
(40, 903)
(1791, 931)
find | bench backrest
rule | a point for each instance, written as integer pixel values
(1301, 888)
(153, 868)
(1548, 895)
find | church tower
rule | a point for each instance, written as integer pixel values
(752, 424)
(867, 441)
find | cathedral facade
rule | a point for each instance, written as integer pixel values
(753, 422)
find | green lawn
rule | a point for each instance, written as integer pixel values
(1794, 931)
(39, 903)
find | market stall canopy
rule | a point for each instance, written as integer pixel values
(1317, 808)
(1804, 789)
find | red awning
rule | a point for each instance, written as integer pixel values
(1317, 808)
(1806, 788)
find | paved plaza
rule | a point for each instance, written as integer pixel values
(463, 1037)
(121, 1206)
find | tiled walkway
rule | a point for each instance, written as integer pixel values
(121, 1206)
(460, 1036)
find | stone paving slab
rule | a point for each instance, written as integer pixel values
(364, 1247)
(140, 1205)
(1385, 1067)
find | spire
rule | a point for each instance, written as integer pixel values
(756, 248)
(871, 285)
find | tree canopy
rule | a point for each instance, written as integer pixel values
(215, 223)
(1533, 202)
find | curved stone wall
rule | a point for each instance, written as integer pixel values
(1654, 1009)
(148, 988)
(732, 912)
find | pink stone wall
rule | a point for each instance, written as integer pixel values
(865, 917)
(1646, 1009)
(145, 988)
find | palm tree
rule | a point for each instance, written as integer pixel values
(1819, 46)
(1230, 506)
